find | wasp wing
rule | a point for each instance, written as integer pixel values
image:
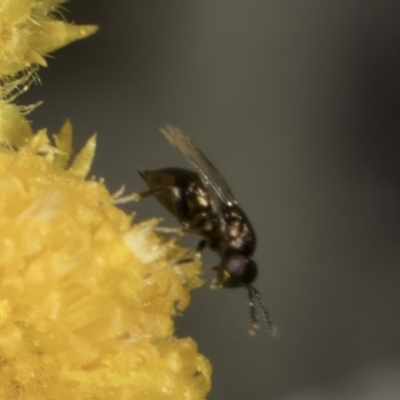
(212, 179)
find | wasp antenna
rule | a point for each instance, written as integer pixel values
(253, 292)
(253, 315)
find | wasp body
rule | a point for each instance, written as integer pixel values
(204, 205)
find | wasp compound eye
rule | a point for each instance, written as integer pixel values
(235, 266)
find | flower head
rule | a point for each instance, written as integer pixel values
(87, 298)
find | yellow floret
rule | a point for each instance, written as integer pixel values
(29, 30)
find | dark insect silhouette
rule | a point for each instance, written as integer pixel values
(204, 205)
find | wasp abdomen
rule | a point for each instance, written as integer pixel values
(183, 194)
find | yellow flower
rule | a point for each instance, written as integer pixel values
(87, 298)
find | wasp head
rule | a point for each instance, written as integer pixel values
(236, 270)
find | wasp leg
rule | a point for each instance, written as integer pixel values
(199, 249)
(219, 280)
(177, 231)
(139, 196)
(201, 246)
(186, 260)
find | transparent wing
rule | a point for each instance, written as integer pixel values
(214, 182)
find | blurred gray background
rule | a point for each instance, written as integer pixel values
(297, 103)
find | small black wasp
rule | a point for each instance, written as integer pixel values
(204, 205)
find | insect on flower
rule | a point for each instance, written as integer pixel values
(204, 205)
